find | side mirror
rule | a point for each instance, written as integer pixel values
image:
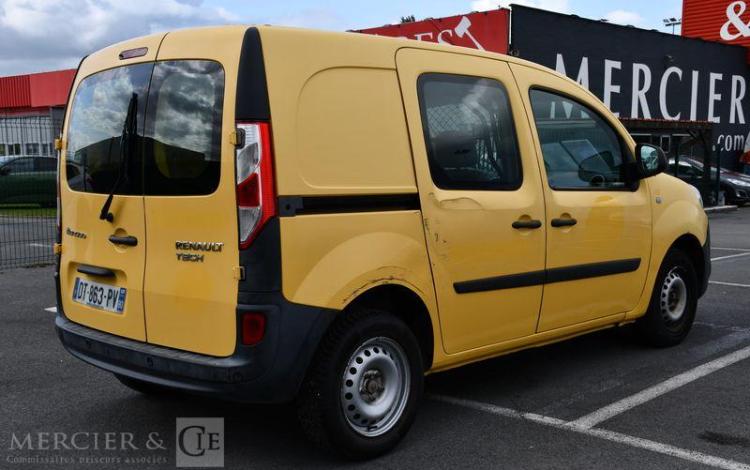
(650, 160)
(4, 171)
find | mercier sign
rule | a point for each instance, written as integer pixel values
(200, 442)
(642, 74)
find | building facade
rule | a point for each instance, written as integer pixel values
(31, 109)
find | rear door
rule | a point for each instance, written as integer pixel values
(480, 194)
(190, 209)
(106, 277)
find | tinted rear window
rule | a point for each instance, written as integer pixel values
(96, 123)
(178, 149)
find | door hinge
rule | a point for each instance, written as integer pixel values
(57, 248)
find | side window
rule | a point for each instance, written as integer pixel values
(21, 165)
(469, 133)
(580, 149)
(46, 164)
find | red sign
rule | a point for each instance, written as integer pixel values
(717, 20)
(486, 31)
(37, 90)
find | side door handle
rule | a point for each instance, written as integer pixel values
(564, 222)
(527, 224)
(127, 240)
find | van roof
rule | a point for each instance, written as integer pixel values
(377, 44)
(362, 40)
(400, 43)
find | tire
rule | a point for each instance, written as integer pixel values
(146, 388)
(674, 300)
(368, 369)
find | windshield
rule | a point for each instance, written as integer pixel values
(177, 147)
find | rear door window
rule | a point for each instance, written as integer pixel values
(96, 125)
(183, 128)
(178, 142)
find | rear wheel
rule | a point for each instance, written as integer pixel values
(362, 391)
(673, 304)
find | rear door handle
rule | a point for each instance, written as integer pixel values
(528, 223)
(95, 271)
(128, 240)
(564, 222)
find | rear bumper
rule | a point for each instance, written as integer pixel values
(270, 372)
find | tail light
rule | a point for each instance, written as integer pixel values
(256, 199)
(253, 328)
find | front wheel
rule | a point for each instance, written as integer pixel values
(673, 304)
(362, 391)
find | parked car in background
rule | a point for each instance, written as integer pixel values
(28, 180)
(734, 186)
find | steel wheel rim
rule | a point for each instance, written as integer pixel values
(375, 386)
(673, 297)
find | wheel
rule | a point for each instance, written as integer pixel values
(146, 388)
(723, 198)
(673, 303)
(363, 388)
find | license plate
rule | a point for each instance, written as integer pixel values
(98, 295)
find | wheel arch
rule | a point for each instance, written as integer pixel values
(689, 244)
(406, 305)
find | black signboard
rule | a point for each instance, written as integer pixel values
(644, 74)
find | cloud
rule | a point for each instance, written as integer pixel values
(44, 35)
(624, 17)
(561, 6)
(311, 18)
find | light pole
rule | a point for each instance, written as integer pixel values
(672, 22)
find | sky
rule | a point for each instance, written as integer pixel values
(40, 35)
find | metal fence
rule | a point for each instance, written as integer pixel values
(28, 165)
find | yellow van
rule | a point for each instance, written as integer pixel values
(272, 215)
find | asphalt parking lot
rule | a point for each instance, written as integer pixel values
(593, 402)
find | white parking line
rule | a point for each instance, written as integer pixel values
(616, 437)
(618, 407)
(730, 256)
(732, 284)
(730, 249)
(40, 245)
(51, 309)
